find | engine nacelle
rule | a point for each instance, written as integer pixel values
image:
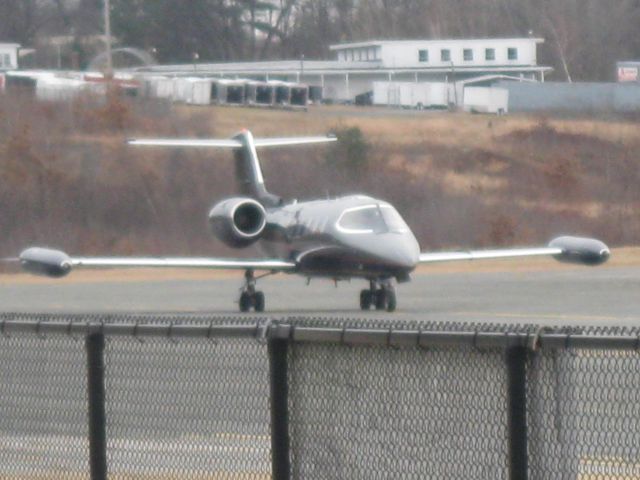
(587, 251)
(238, 222)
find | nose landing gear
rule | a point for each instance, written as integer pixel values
(380, 294)
(250, 297)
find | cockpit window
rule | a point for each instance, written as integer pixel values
(393, 220)
(371, 219)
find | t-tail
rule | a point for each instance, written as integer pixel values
(248, 171)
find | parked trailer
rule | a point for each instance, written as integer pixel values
(259, 93)
(411, 94)
(56, 89)
(288, 94)
(486, 100)
(200, 92)
(163, 88)
(316, 94)
(228, 92)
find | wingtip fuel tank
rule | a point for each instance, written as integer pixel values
(585, 251)
(47, 262)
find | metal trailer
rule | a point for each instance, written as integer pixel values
(316, 94)
(200, 92)
(299, 95)
(259, 93)
(163, 88)
(183, 89)
(288, 94)
(55, 89)
(228, 92)
(486, 100)
(411, 94)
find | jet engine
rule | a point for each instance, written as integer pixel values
(238, 222)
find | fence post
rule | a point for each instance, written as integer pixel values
(96, 407)
(516, 358)
(278, 350)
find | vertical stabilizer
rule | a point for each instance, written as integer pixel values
(249, 173)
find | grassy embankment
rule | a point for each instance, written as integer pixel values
(460, 180)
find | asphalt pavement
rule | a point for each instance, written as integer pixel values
(560, 296)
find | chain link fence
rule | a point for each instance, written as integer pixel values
(200, 397)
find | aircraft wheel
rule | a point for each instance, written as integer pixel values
(365, 299)
(258, 301)
(381, 299)
(391, 300)
(245, 302)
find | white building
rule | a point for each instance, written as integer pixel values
(359, 65)
(9, 56)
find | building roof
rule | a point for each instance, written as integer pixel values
(322, 67)
(377, 43)
(9, 45)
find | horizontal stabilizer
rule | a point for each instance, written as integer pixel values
(228, 143)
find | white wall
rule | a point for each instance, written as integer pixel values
(405, 54)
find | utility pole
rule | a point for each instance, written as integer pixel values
(107, 32)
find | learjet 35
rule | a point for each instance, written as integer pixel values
(354, 236)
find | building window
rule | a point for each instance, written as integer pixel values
(490, 54)
(467, 54)
(423, 55)
(445, 55)
(512, 54)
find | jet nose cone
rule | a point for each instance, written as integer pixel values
(404, 252)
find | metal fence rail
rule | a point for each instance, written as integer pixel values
(203, 397)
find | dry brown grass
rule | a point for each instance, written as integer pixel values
(459, 180)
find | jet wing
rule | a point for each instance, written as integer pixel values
(487, 254)
(55, 263)
(586, 251)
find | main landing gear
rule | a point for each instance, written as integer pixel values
(380, 294)
(250, 297)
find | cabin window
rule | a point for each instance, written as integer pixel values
(512, 54)
(490, 54)
(467, 54)
(423, 55)
(445, 55)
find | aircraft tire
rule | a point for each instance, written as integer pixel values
(381, 299)
(258, 301)
(365, 299)
(245, 302)
(391, 300)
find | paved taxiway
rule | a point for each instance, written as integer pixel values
(570, 295)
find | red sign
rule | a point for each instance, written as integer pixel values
(627, 74)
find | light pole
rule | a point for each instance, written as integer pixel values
(195, 56)
(107, 32)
